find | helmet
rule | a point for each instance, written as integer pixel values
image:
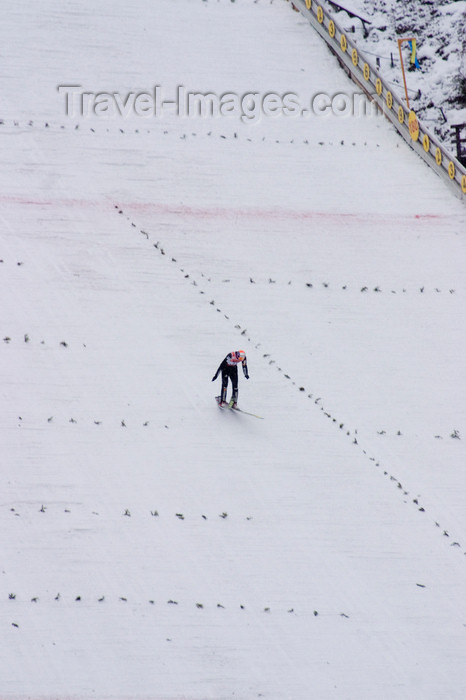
(240, 355)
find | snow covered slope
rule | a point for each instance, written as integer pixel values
(152, 545)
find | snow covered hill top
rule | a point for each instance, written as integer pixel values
(437, 88)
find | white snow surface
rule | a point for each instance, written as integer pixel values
(152, 545)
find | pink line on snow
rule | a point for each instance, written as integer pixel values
(58, 202)
(214, 212)
(272, 213)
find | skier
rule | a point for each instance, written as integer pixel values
(229, 369)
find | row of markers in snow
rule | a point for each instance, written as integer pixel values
(174, 603)
(84, 128)
(127, 514)
(455, 434)
(223, 516)
(314, 285)
(195, 517)
(338, 287)
(364, 288)
(352, 434)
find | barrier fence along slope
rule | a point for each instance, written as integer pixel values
(365, 75)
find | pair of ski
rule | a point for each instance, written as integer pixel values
(235, 408)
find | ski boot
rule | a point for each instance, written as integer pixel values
(222, 399)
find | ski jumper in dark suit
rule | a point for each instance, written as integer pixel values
(229, 369)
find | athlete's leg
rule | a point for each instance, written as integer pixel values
(223, 394)
(234, 383)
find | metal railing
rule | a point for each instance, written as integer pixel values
(367, 77)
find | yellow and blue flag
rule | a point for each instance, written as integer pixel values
(412, 46)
